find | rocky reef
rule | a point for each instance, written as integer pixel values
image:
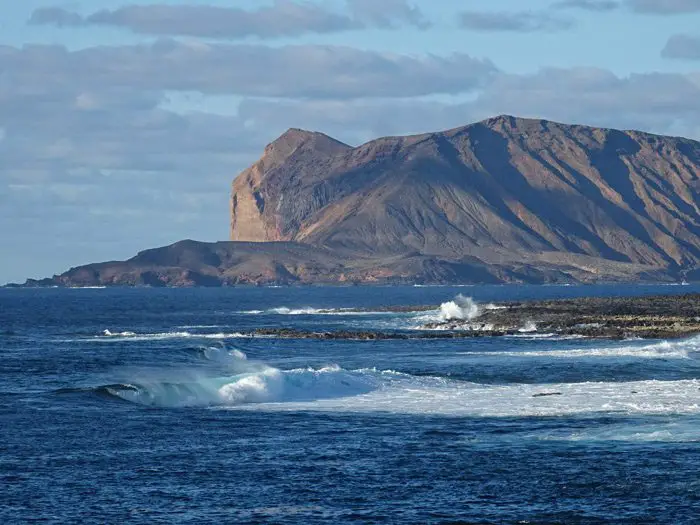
(654, 317)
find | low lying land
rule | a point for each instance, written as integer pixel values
(657, 317)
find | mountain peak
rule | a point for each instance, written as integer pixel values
(511, 121)
(296, 138)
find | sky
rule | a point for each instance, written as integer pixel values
(122, 125)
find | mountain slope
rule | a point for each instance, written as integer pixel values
(503, 191)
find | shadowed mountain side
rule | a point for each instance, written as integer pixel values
(503, 190)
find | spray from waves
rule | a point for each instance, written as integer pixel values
(461, 308)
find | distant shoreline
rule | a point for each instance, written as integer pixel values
(38, 284)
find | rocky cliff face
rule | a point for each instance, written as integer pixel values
(504, 191)
(284, 164)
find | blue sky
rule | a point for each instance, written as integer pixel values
(122, 125)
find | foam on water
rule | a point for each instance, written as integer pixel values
(107, 335)
(246, 384)
(659, 350)
(440, 396)
(679, 431)
(308, 310)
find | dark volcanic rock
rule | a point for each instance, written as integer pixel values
(658, 317)
(290, 333)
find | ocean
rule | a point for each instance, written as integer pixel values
(152, 406)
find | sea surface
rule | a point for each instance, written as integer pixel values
(151, 406)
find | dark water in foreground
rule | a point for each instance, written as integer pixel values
(171, 416)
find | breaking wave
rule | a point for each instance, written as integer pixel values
(234, 381)
(241, 382)
(334, 389)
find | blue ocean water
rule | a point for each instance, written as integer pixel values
(147, 406)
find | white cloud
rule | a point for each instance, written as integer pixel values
(253, 70)
(284, 18)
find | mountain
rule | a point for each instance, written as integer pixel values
(505, 191)
(503, 200)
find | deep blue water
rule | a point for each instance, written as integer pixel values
(175, 418)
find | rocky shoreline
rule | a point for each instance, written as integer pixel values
(654, 317)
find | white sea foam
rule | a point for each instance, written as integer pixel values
(223, 356)
(661, 431)
(426, 395)
(308, 310)
(283, 310)
(659, 350)
(251, 385)
(546, 335)
(195, 326)
(108, 335)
